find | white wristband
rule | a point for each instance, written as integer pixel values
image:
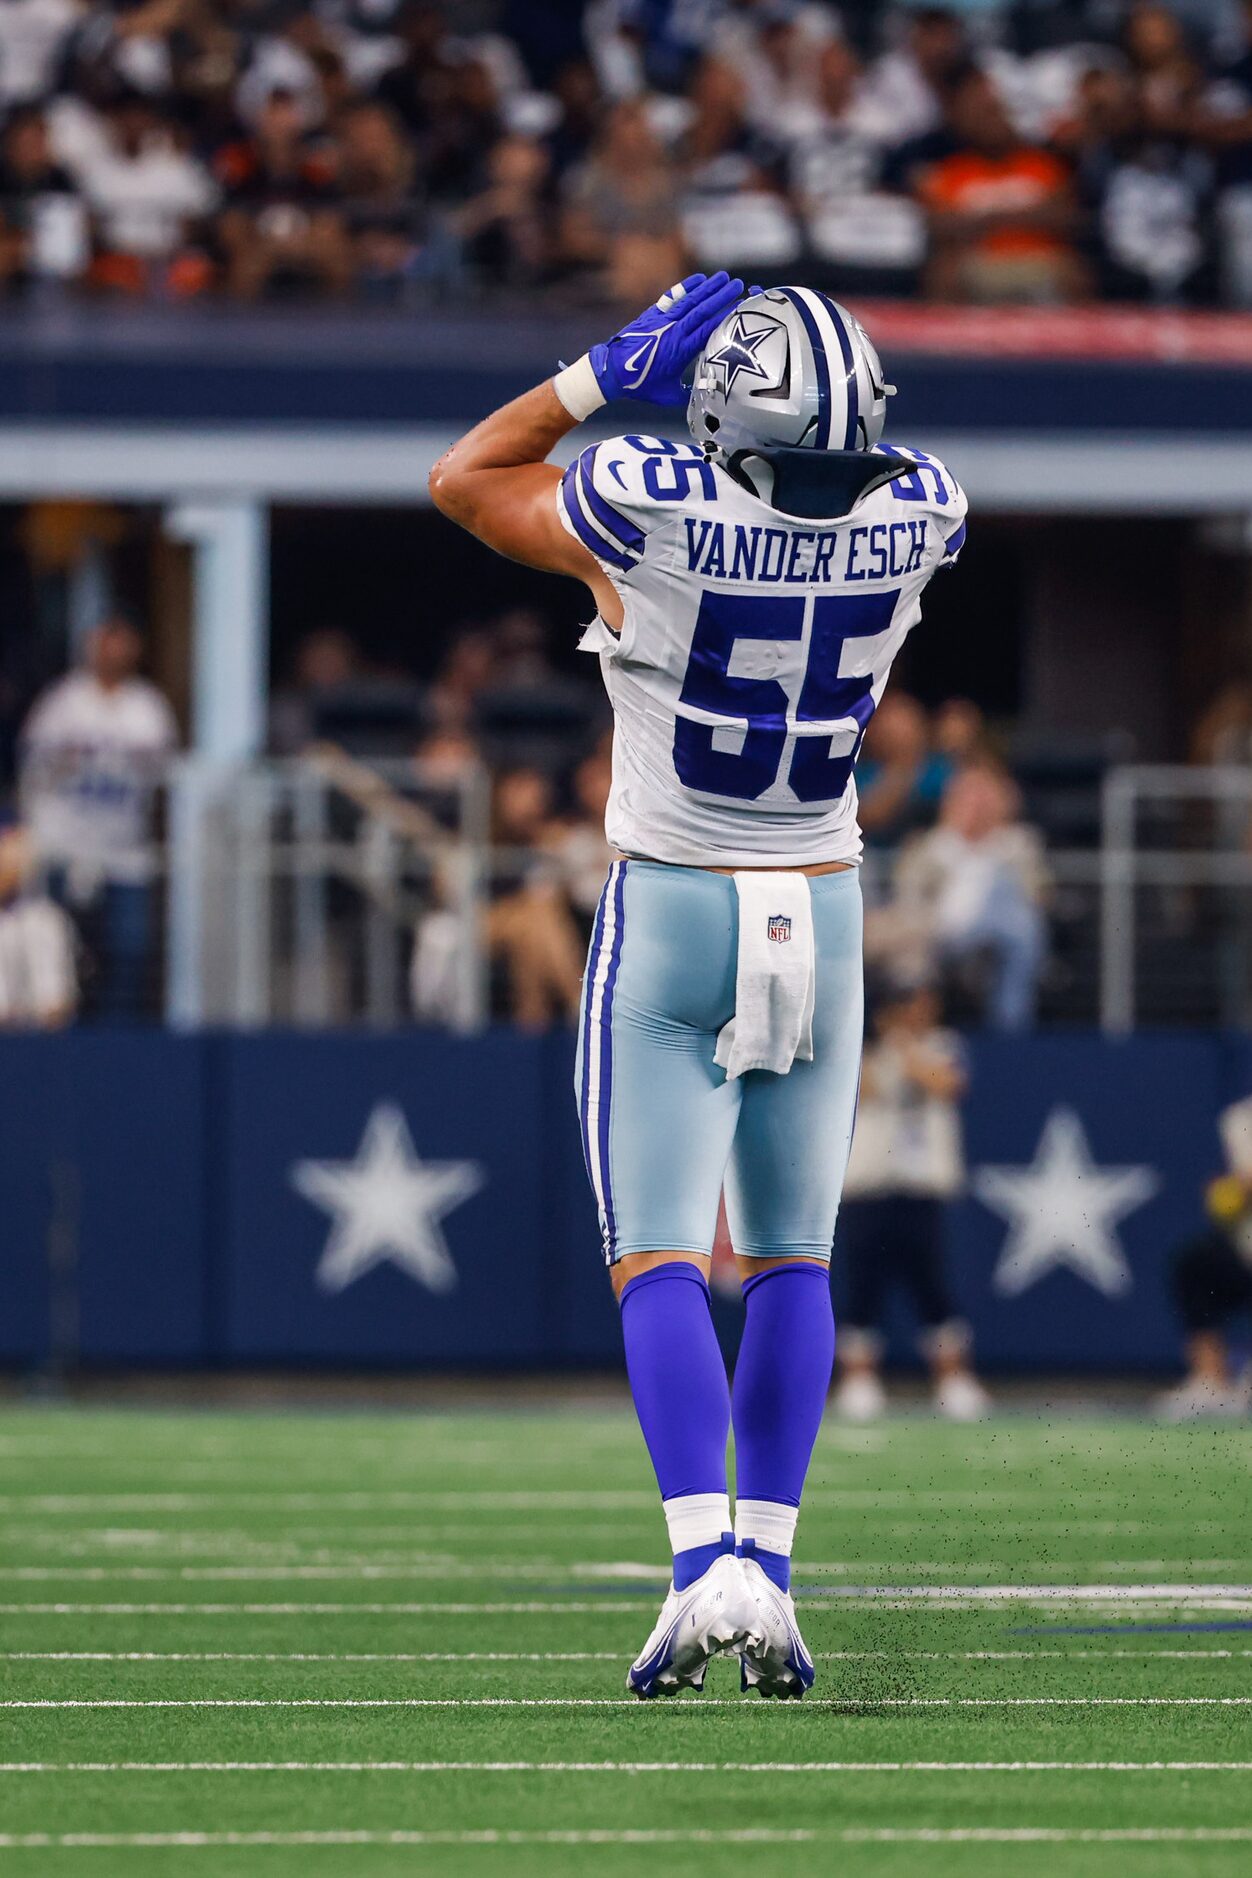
(577, 388)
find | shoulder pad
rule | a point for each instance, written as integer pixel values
(925, 480)
(617, 492)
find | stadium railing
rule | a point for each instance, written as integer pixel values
(295, 893)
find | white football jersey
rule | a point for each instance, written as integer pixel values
(754, 648)
(91, 759)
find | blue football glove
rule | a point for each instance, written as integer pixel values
(647, 359)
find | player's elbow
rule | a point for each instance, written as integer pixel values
(446, 488)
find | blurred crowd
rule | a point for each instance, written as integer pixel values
(1038, 151)
(504, 755)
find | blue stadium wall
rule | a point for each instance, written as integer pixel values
(144, 366)
(151, 1210)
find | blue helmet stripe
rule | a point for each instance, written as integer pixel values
(849, 366)
(822, 440)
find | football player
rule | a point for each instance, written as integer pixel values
(752, 589)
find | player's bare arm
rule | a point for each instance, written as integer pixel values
(497, 482)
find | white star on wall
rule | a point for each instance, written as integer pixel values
(387, 1205)
(1062, 1210)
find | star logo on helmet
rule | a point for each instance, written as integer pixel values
(738, 357)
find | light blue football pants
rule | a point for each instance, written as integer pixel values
(662, 1127)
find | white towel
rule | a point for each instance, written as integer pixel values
(773, 1020)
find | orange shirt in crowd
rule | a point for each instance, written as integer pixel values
(978, 184)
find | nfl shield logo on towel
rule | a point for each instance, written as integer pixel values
(779, 927)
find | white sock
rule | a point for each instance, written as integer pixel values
(697, 1519)
(769, 1522)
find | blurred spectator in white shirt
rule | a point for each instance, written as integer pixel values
(774, 45)
(735, 213)
(91, 756)
(38, 968)
(906, 1164)
(43, 221)
(145, 191)
(32, 35)
(905, 87)
(619, 216)
(876, 239)
(975, 883)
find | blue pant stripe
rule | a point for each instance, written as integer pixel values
(593, 962)
(606, 1059)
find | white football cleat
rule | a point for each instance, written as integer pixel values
(715, 1616)
(776, 1662)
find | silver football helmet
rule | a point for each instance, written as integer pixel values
(789, 366)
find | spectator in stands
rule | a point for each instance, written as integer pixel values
(327, 661)
(1223, 127)
(900, 779)
(578, 841)
(975, 885)
(582, 107)
(906, 87)
(960, 733)
(465, 673)
(734, 210)
(149, 198)
(906, 1166)
(38, 962)
(1001, 211)
(775, 45)
(1212, 1285)
(619, 222)
(462, 123)
(1223, 731)
(519, 649)
(93, 751)
(43, 221)
(377, 187)
(530, 931)
(282, 228)
(657, 45)
(505, 227)
(1161, 62)
(1150, 186)
(33, 36)
(445, 760)
(874, 238)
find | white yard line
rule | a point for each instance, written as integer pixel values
(584, 1656)
(1196, 1597)
(443, 1571)
(743, 1835)
(628, 1569)
(597, 1701)
(980, 1594)
(313, 1656)
(625, 1767)
(568, 1499)
(617, 1606)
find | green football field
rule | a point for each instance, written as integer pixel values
(364, 1643)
